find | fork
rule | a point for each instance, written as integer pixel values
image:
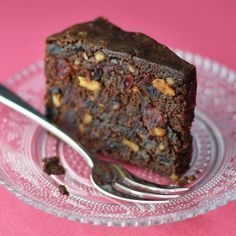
(110, 179)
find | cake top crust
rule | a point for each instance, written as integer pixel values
(101, 33)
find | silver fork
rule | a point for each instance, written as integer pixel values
(110, 179)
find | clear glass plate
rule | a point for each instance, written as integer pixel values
(24, 144)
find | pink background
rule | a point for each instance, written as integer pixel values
(204, 27)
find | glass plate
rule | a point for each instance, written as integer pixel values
(24, 144)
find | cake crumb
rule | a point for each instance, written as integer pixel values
(52, 166)
(186, 180)
(62, 189)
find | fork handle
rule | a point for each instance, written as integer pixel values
(13, 101)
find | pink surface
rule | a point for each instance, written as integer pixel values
(204, 27)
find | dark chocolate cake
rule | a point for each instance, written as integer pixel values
(122, 94)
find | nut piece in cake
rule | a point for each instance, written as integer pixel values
(163, 87)
(91, 85)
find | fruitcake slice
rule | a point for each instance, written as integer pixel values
(122, 94)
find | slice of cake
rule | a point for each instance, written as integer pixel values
(122, 94)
